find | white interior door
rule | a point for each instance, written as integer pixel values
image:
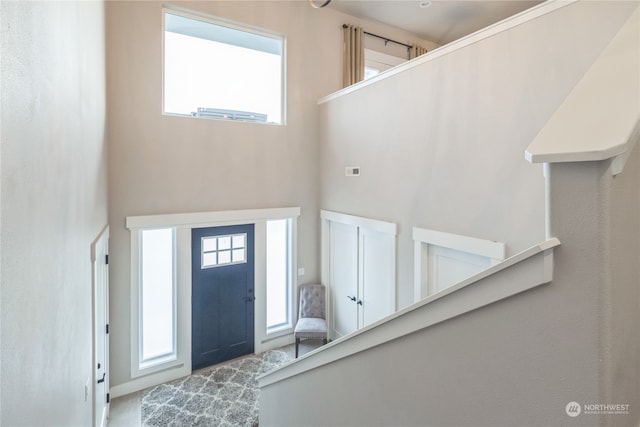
(443, 259)
(377, 290)
(343, 253)
(100, 329)
(449, 266)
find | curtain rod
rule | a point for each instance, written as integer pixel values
(386, 40)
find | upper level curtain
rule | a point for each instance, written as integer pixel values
(415, 51)
(353, 58)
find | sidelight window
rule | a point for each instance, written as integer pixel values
(279, 275)
(157, 302)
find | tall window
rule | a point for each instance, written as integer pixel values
(223, 70)
(279, 280)
(157, 303)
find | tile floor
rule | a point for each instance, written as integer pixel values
(125, 411)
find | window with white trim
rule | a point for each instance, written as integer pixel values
(214, 68)
(279, 276)
(156, 297)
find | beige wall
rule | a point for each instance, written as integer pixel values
(54, 204)
(161, 164)
(441, 146)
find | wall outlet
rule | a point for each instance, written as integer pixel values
(352, 171)
(301, 271)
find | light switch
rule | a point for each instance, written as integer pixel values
(352, 171)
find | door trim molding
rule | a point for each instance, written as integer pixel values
(424, 242)
(389, 229)
(213, 219)
(99, 246)
(360, 221)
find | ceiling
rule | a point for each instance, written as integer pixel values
(443, 21)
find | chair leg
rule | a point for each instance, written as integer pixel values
(324, 341)
(297, 343)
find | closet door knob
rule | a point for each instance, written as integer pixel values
(360, 302)
(351, 298)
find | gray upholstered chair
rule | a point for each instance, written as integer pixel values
(312, 322)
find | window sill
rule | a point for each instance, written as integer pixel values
(278, 332)
(156, 365)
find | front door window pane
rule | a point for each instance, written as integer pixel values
(224, 250)
(238, 255)
(224, 242)
(209, 244)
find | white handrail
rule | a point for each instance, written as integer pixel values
(583, 130)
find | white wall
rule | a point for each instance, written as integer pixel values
(441, 145)
(521, 360)
(160, 164)
(54, 204)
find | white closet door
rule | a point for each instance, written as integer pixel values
(343, 253)
(443, 259)
(449, 266)
(377, 279)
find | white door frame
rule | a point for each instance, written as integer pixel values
(425, 241)
(183, 223)
(100, 324)
(363, 226)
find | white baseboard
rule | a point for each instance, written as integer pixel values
(149, 381)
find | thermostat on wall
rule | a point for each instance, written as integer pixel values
(352, 171)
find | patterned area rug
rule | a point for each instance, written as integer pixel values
(224, 395)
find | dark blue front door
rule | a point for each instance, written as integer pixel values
(222, 294)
